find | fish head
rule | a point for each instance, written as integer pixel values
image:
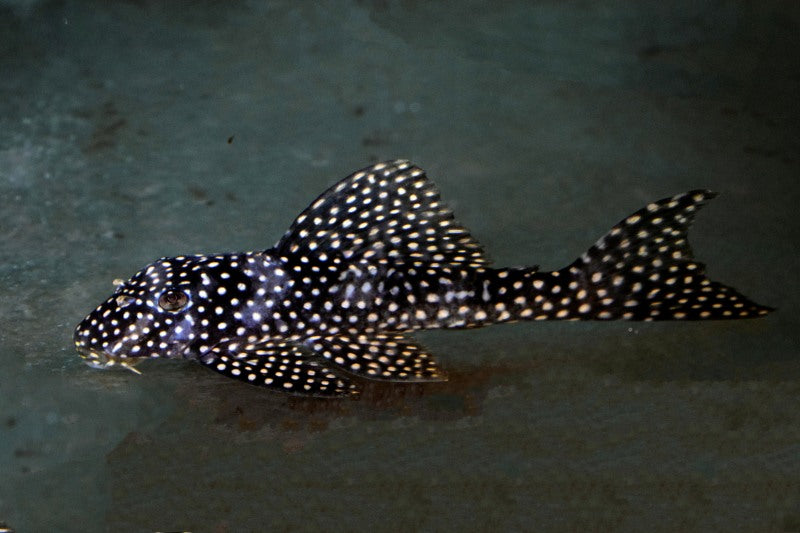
(160, 312)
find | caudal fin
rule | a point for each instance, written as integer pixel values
(643, 269)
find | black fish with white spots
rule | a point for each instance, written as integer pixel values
(379, 255)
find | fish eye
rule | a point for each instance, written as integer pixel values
(173, 300)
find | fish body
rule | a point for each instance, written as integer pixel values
(376, 256)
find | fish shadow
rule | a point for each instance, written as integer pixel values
(251, 408)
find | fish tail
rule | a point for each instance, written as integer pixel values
(644, 269)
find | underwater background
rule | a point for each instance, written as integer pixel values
(132, 130)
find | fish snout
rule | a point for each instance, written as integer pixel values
(94, 358)
(90, 350)
(102, 360)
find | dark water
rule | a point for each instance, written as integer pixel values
(132, 130)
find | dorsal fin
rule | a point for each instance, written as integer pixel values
(383, 214)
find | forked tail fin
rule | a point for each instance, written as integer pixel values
(643, 269)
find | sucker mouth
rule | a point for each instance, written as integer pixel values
(102, 360)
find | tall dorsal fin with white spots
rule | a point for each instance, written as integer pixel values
(388, 213)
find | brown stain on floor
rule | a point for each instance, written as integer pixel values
(252, 408)
(108, 124)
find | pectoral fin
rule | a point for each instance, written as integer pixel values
(379, 356)
(279, 366)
